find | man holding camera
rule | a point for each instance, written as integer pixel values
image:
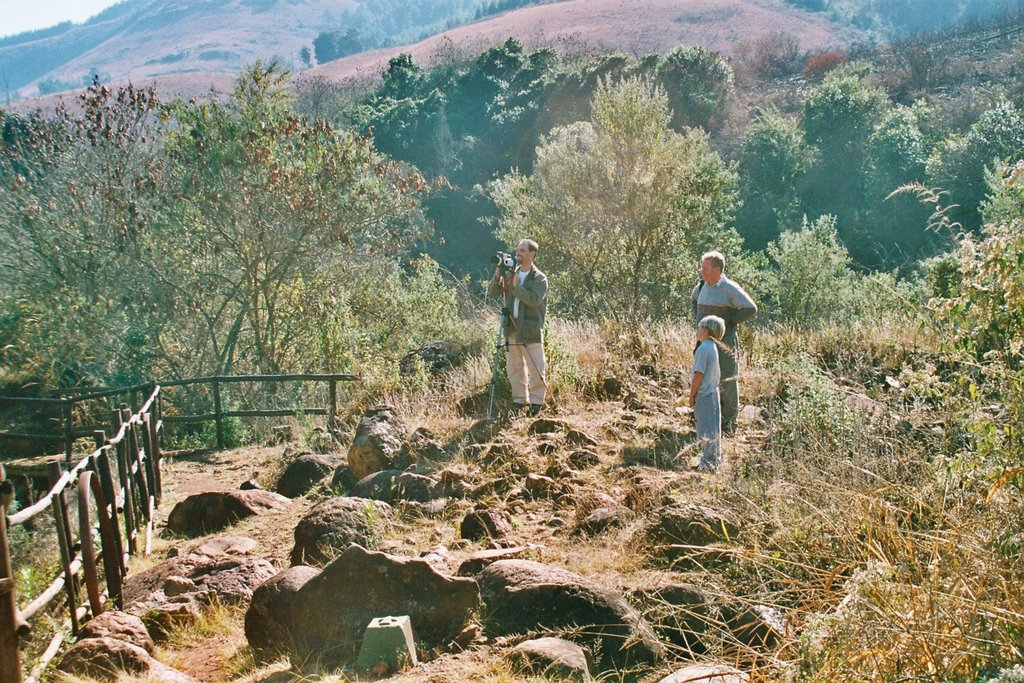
(526, 291)
(718, 295)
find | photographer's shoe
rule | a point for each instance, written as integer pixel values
(535, 409)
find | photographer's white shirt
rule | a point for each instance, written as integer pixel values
(515, 304)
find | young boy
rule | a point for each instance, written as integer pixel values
(704, 398)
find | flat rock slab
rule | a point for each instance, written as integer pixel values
(211, 511)
(523, 596)
(226, 545)
(182, 588)
(475, 563)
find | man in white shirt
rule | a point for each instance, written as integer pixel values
(525, 292)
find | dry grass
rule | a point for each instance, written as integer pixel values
(878, 562)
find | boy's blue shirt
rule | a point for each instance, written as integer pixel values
(705, 360)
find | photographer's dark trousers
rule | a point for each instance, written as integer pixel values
(730, 386)
(526, 371)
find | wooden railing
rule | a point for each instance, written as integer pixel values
(120, 480)
(218, 414)
(72, 430)
(64, 406)
(124, 505)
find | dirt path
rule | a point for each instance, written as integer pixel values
(648, 448)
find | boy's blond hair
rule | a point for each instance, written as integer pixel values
(714, 325)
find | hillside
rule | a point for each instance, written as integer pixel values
(637, 27)
(185, 49)
(142, 39)
(828, 528)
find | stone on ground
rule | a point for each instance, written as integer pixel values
(335, 524)
(203, 513)
(523, 596)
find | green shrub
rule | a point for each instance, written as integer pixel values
(699, 84)
(959, 164)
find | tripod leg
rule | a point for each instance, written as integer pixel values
(494, 374)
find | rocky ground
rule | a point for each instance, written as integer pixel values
(597, 500)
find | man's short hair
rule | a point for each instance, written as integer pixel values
(717, 259)
(531, 245)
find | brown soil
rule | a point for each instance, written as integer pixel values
(544, 526)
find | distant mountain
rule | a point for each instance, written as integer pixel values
(139, 39)
(189, 46)
(632, 26)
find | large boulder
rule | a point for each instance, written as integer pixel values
(109, 659)
(523, 596)
(305, 472)
(330, 612)
(377, 443)
(203, 513)
(335, 524)
(269, 617)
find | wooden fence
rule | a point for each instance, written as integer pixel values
(218, 414)
(135, 491)
(69, 429)
(124, 505)
(64, 407)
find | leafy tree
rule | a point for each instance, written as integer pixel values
(331, 45)
(622, 206)
(699, 84)
(811, 282)
(960, 161)
(269, 204)
(77, 208)
(896, 154)
(838, 118)
(773, 161)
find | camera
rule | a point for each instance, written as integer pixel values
(505, 262)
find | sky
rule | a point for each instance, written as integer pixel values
(17, 16)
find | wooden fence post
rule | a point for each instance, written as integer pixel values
(10, 659)
(333, 410)
(63, 524)
(69, 431)
(217, 414)
(125, 481)
(153, 425)
(113, 550)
